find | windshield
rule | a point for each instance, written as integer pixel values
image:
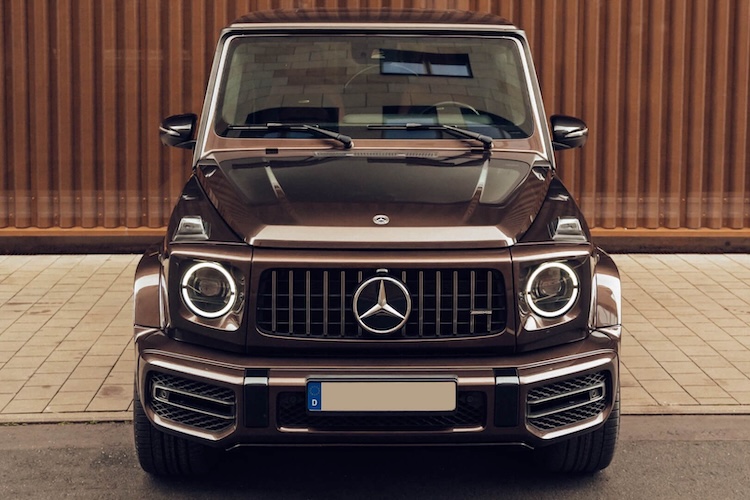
(370, 86)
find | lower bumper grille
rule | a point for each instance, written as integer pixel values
(471, 411)
(191, 403)
(567, 402)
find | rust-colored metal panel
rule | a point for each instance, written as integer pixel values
(64, 206)
(4, 135)
(663, 84)
(675, 162)
(738, 184)
(130, 162)
(20, 194)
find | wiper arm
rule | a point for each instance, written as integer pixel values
(455, 131)
(343, 139)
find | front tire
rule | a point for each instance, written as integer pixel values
(587, 453)
(163, 454)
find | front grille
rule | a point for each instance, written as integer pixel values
(567, 402)
(317, 303)
(291, 410)
(188, 402)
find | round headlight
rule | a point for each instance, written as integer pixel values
(208, 290)
(551, 289)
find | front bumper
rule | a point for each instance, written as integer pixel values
(230, 400)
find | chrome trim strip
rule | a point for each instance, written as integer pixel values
(256, 381)
(179, 367)
(575, 428)
(190, 408)
(568, 370)
(507, 380)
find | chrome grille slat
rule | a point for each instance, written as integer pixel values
(438, 296)
(307, 302)
(273, 299)
(291, 301)
(472, 317)
(421, 303)
(317, 303)
(455, 302)
(342, 304)
(489, 297)
(325, 303)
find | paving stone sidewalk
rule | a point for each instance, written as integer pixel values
(66, 324)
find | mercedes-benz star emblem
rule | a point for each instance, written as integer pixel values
(382, 305)
(381, 219)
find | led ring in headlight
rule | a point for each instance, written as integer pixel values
(208, 290)
(551, 289)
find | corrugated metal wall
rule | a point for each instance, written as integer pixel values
(663, 85)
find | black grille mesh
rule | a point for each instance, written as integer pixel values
(567, 416)
(185, 416)
(309, 303)
(471, 411)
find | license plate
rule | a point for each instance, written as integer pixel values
(381, 396)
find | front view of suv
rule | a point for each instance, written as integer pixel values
(374, 248)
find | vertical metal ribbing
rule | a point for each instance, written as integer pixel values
(421, 303)
(291, 301)
(307, 302)
(455, 302)
(273, 300)
(489, 300)
(325, 303)
(472, 292)
(343, 303)
(438, 292)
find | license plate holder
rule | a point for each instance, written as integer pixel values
(381, 396)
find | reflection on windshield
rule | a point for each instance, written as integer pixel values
(345, 84)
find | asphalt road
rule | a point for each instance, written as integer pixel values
(658, 457)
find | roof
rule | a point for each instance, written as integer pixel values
(386, 15)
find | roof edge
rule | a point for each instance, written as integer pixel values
(385, 15)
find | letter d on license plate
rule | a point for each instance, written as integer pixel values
(381, 396)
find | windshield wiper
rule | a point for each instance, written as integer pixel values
(455, 131)
(343, 139)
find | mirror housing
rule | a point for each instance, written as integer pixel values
(568, 132)
(179, 130)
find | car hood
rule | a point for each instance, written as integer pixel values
(377, 199)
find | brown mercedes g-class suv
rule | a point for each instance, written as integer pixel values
(374, 247)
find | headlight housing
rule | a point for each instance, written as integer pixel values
(552, 289)
(208, 290)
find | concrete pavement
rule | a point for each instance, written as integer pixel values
(66, 325)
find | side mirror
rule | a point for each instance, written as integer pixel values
(178, 131)
(568, 132)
